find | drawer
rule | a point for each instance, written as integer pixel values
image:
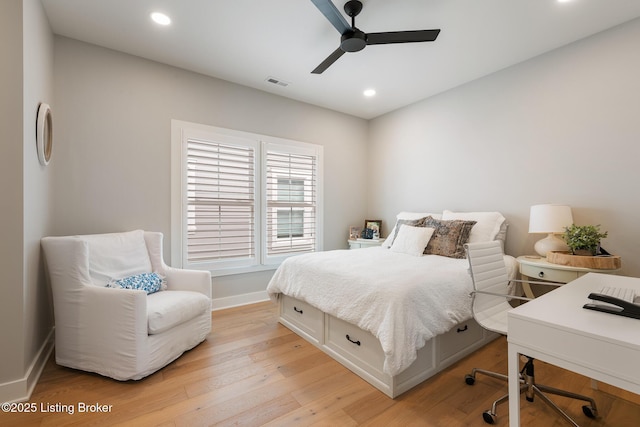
(548, 274)
(304, 316)
(353, 343)
(458, 338)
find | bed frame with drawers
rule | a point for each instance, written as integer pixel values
(362, 353)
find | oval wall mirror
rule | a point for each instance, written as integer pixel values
(44, 134)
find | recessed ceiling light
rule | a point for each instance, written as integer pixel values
(564, 1)
(369, 92)
(160, 18)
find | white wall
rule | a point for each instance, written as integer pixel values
(38, 185)
(11, 319)
(26, 78)
(113, 135)
(561, 128)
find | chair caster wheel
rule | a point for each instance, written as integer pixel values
(589, 411)
(469, 379)
(489, 417)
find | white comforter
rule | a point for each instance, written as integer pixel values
(401, 299)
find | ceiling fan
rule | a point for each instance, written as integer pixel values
(354, 40)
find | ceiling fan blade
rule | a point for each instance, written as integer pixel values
(330, 12)
(327, 62)
(402, 36)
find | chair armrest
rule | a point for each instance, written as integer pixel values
(536, 282)
(188, 280)
(506, 296)
(100, 323)
(113, 311)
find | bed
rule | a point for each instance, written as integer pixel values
(391, 314)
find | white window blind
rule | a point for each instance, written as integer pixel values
(242, 202)
(220, 201)
(291, 202)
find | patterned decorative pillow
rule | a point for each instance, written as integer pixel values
(148, 282)
(449, 237)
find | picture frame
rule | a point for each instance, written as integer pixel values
(375, 225)
(355, 232)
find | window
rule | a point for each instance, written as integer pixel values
(242, 202)
(291, 201)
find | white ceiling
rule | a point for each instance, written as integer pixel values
(246, 41)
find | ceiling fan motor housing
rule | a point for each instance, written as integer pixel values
(353, 41)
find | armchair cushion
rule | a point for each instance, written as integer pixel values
(167, 309)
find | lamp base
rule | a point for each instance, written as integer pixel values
(550, 243)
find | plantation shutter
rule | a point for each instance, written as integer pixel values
(221, 203)
(291, 201)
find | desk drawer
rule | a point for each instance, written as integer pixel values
(548, 274)
(304, 316)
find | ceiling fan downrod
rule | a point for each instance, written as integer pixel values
(354, 40)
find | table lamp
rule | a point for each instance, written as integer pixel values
(550, 219)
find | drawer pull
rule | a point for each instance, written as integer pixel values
(541, 274)
(350, 340)
(296, 309)
(463, 329)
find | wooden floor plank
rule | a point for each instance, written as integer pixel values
(262, 414)
(253, 371)
(316, 410)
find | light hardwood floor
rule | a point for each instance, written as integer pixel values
(253, 371)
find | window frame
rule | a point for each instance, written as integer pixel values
(181, 131)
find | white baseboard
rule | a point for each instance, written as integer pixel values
(20, 390)
(238, 300)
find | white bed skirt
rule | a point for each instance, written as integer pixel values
(361, 352)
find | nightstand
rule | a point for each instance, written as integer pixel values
(535, 267)
(364, 243)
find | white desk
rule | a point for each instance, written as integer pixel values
(556, 329)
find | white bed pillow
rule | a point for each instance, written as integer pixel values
(487, 224)
(412, 240)
(407, 216)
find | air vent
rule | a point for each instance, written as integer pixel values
(277, 82)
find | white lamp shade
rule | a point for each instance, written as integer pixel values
(549, 218)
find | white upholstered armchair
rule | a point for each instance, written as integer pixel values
(122, 333)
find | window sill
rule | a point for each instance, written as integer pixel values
(242, 270)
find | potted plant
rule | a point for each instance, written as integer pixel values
(584, 239)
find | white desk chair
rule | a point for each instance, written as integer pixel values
(490, 307)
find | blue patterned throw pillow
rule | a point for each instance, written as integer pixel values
(148, 282)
